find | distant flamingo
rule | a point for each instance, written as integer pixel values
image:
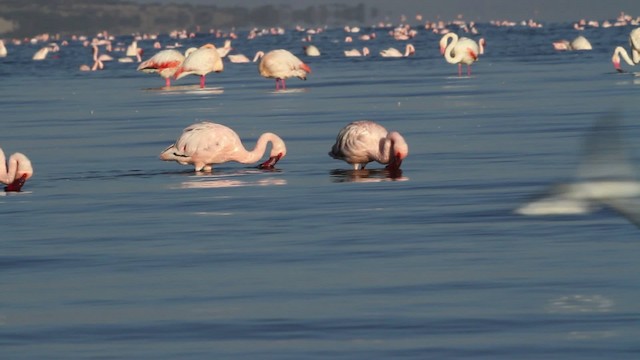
(165, 63)
(205, 144)
(201, 62)
(16, 172)
(634, 42)
(579, 43)
(259, 54)
(356, 52)
(3, 49)
(41, 54)
(393, 52)
(362, 142)
(461, 51)
(281, 65)
(311, 50)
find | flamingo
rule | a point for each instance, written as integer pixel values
(206, 143)
(579, 43)
(41, 54)
(362, 142)
(461, 51)
(16, 172)
(281, 65)
(393, 52)
(311, 50)
(200, 62)
(165, 63)
(634, 42)
(3, 49)
(356, 52)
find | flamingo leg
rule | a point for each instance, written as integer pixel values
(167, 82)
(277, 84)
(459, 69)
(284, 85)
(468, 70)
(202, 81)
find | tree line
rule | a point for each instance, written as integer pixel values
(28, 18)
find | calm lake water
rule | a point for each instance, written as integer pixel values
(112, 253)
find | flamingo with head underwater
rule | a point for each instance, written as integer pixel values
(362, 142)
(620, 52)
(15, 172)
(206, 143)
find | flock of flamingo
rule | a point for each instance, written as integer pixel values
(206, 144)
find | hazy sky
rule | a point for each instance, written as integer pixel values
(479, 10)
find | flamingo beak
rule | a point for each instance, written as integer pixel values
(617, 66)
(271, 162)
(394, 165)
(17, 184)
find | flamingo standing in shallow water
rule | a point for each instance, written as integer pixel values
(619, 51)
(461, 51)
(16, 172)
(281, 65)
(165, 63)
(200, 62)
(362, 142)
(204, 144)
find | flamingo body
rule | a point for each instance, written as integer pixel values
(206, 143)
(165, 63)
(280, 65)
(200, 62)
(362, 142)
(15, 172)
(311, 50)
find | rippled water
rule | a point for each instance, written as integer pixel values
(111, 253)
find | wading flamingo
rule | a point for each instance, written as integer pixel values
(165, 63)
(15, 172)
(281, 65)
(205, 144)
(362, 142)
(200, 62)
(461, 51)
(619, 51)
(356, 52)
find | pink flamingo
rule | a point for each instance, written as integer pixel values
(634, 42)
(362, 142)
(201, 62)
(281, 65)
(461, 51)
(16, 172)
(393, 52)
(204, 144)
(165, 63)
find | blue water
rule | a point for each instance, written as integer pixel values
(111, 253)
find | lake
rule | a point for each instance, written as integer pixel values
(111, 253)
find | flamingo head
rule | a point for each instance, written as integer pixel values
(616, 62)
(17, 184)
(271, 162)
(400, 150)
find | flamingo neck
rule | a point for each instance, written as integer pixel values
(244, 156)
(449, 49)
(621, 52)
